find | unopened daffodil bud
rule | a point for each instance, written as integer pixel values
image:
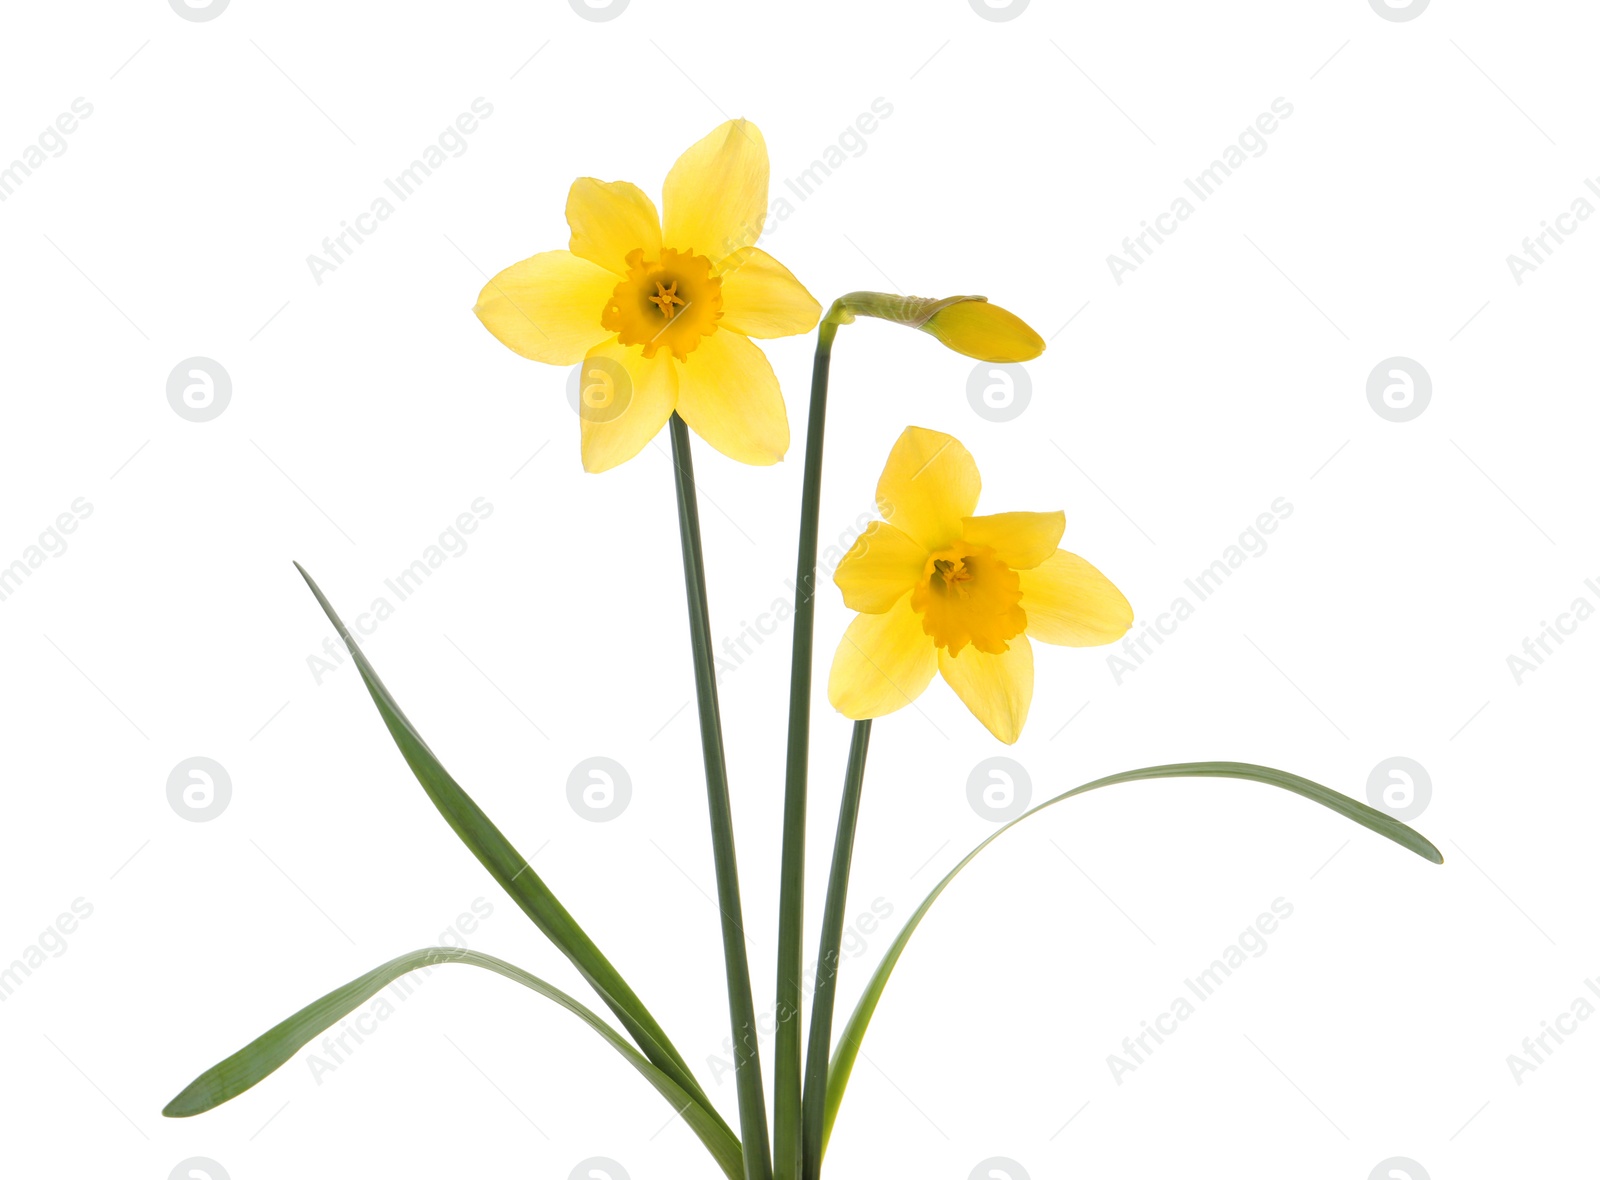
(984, 331)
(968, 324)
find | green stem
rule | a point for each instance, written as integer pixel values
(788, 1094)
(786, 1089)
(736, 964)
(828, 954)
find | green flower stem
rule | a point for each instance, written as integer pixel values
(736, 964)
(911, 310)
(786, 1090)
(820, 1044)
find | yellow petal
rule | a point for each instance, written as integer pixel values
(979, 329)
(1020, 539)
(998, 689)
(883, 663)
(715, 197)
(609, 219)
(762, 299)
(1070, 602)
(547, 308)
(728, 394)
(929, 485)
(642, 405)
(880, 568)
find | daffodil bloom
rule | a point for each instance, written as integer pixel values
(664, 307)
(942, 589)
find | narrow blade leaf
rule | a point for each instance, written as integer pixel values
(234, 1075)
(510, 868)
(844, 1055)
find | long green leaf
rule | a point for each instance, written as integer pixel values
(510, 868)
(844, 1056)
(234, 1075)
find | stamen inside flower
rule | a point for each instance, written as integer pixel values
(665, 297)
(670, 302)
(968, 595)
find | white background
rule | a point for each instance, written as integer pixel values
(1171, 409)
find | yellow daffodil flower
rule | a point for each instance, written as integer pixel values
(940, 588)
(664, 307)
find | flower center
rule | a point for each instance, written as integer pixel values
(671, 303)
(968, 595)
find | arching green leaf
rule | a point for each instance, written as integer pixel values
(510, 868)
(234, 1075)
(844, 1055)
